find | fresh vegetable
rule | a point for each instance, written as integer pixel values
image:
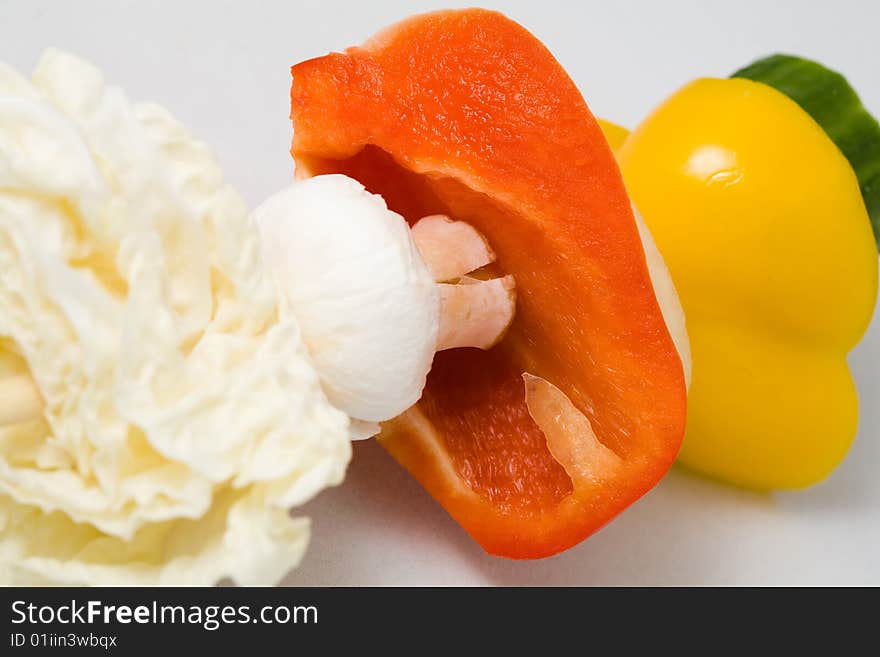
(374, 301)
(159, 412)
(762, 222)
(833, 103)
(538, 442)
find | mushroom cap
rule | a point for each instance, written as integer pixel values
(366, 302)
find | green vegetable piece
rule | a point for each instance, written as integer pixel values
(827, 97)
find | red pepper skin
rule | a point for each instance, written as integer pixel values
(466, 113)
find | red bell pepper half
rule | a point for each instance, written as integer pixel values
(467, 114)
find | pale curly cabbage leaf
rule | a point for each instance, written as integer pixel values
(183, 415)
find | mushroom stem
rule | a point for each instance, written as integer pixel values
(473, 312)
(20, 400)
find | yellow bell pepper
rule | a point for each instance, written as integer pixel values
(761, 222)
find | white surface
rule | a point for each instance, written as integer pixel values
(223, 69)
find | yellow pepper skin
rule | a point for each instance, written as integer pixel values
(761, 222)
(614, 134)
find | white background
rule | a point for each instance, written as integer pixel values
(223, 69)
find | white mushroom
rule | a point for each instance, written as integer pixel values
(374, 299)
